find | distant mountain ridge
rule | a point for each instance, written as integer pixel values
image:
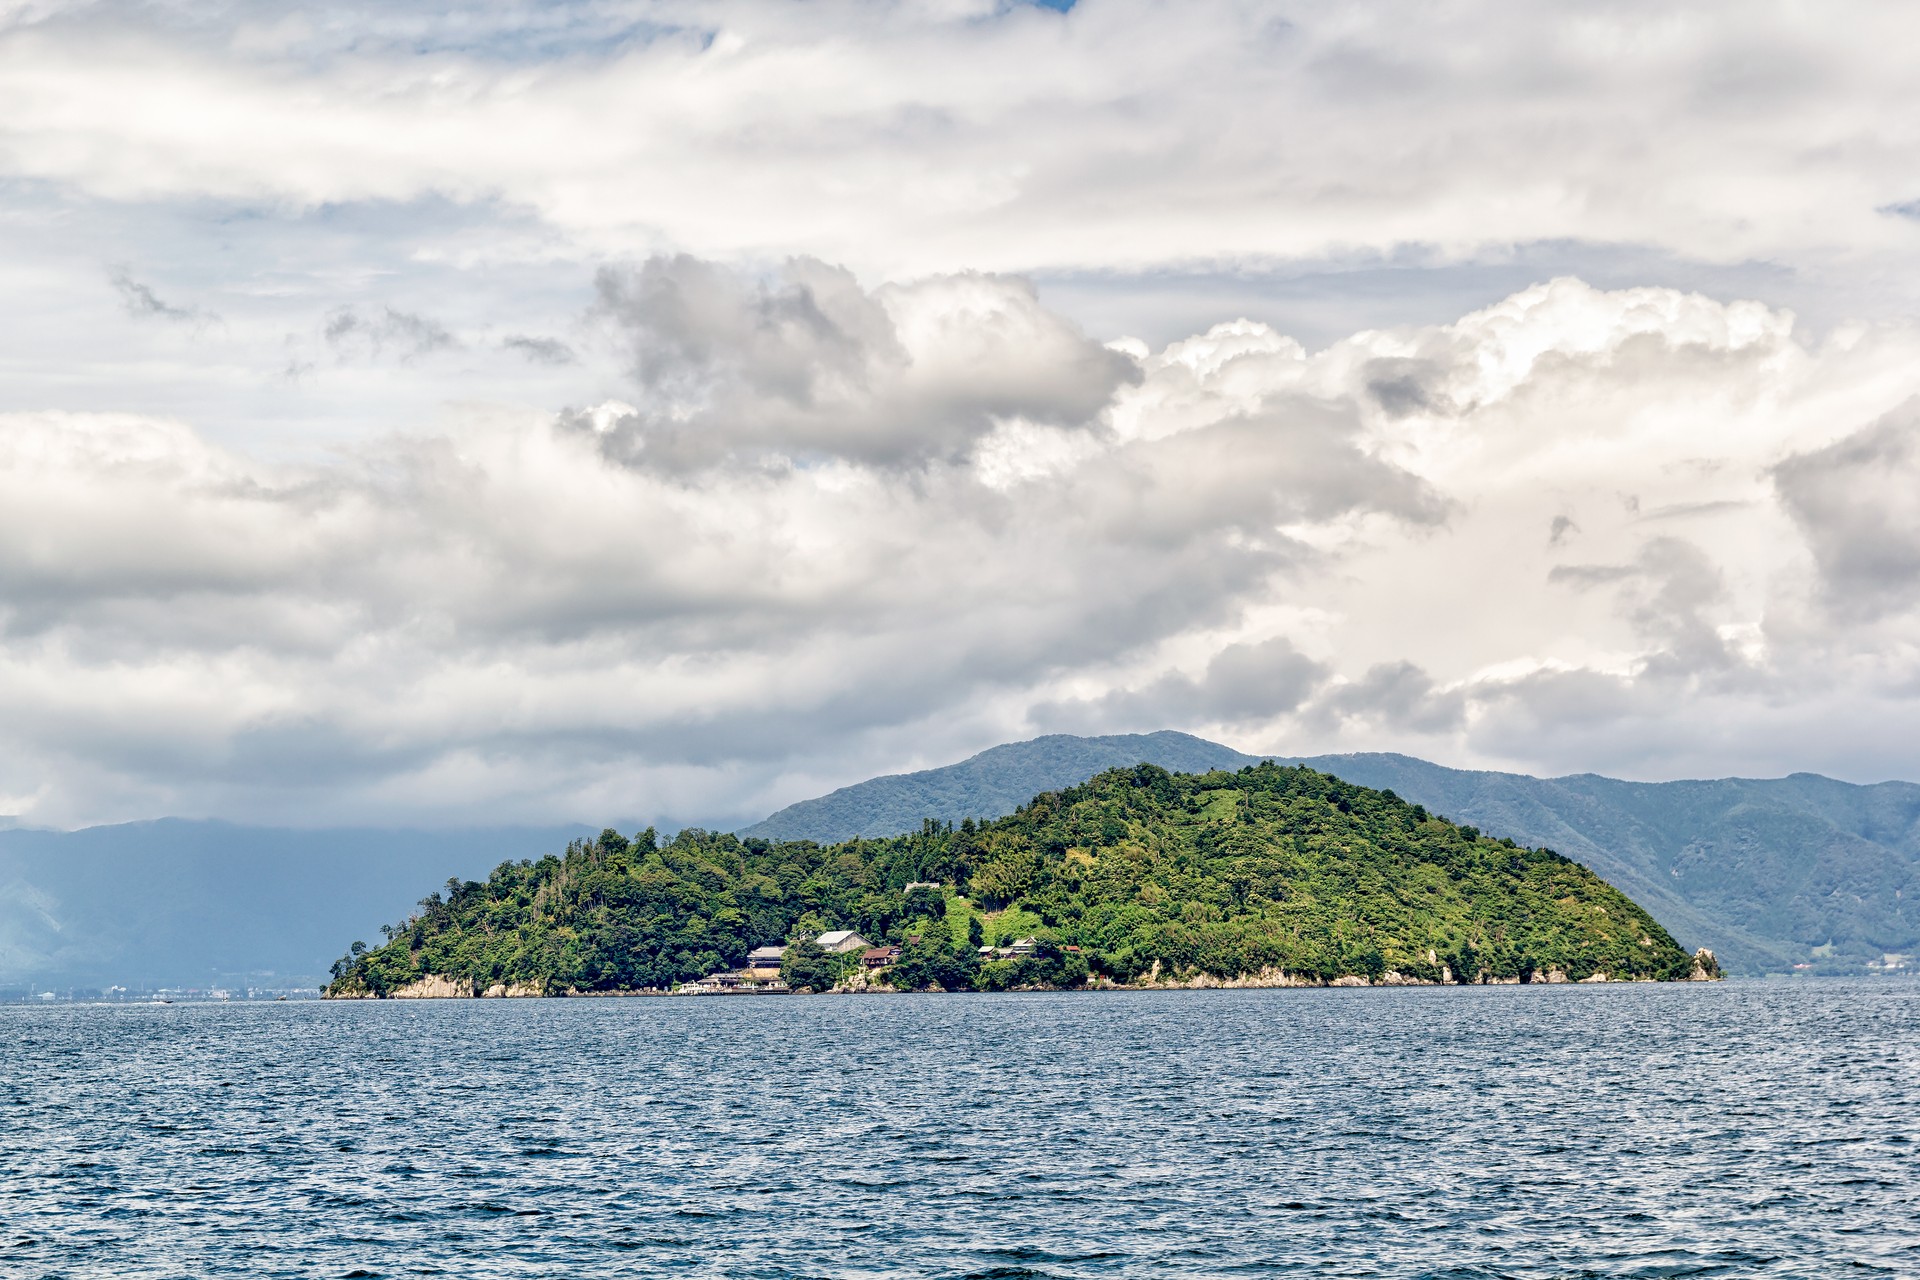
(1770, 873)
(988, 785)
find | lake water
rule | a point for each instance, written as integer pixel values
(1735, 1130)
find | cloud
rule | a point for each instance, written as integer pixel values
(807, 362)
(1669, 594)
(143, 303)
(842, 489)
(829, 529)
(548, 351)
(351, 332)
(1855, 501)
(1399, 696)
(1244, 684)
(1116, 136)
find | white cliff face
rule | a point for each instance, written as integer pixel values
(440, 987)
(435, 987)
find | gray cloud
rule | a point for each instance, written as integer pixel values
(548, 351)
(1855, 502)
(809, 363)
(1297, 459)
(1669, 594)
(1399, 696)
(143, 303)
(1401, 385)
(405, 334)
(1244, 684)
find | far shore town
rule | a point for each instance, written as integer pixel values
(760, 976)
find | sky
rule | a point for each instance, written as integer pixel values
(622, 411)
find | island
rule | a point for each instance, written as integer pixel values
(1269, 876)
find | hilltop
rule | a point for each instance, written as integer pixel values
(988, 785)
(1769, 873)
(1137, 874)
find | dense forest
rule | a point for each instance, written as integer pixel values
(1138, 873)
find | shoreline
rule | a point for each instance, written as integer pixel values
(438, 987)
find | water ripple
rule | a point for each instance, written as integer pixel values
(1647, 1132)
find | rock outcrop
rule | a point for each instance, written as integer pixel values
(437, 987)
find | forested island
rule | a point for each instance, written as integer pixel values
(1272, 875)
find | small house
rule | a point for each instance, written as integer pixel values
(841, 941)
(1023, 946)
(879, 957)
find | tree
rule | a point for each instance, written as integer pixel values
(806, 967)
(932, 960)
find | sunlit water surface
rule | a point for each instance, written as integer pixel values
(1736, 1129)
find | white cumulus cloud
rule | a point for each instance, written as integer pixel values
(914, 520)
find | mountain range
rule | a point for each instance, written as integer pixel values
(1772, 874)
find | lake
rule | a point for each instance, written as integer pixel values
(1735, 1129)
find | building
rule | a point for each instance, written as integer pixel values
(879, 957)
(766, 957)
(740, 982)
(1024, 946)
(840, 941)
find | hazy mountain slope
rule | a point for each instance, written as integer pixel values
(201, 903)
(1768, 872)
(993, 783)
